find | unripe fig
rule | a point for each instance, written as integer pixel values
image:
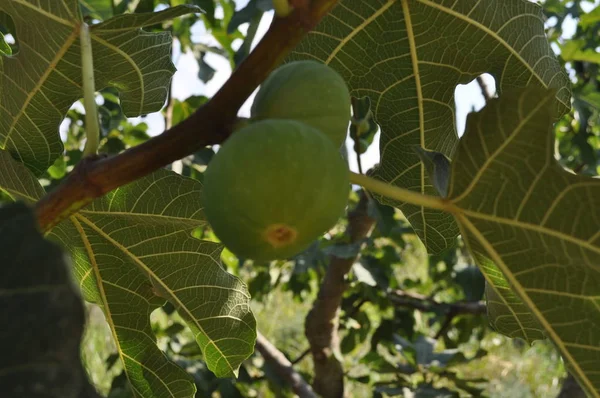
(273, 188)
(309, 92)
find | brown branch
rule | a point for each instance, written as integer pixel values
(321, 327)
(485, 91)
(427, 304)
(283, 367)
(210, 125)
(301, 356)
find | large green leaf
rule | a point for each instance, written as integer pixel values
(17, 181)
(132, 250)
(519, 211)
(409, 55)
(43, 79)
(42, 314)
(506, 311)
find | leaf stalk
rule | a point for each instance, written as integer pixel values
(401, 194)
(92, 127)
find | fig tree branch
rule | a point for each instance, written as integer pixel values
(427, 304)
(283, 367)
(322, 322)
(485, 91)
(211, 124)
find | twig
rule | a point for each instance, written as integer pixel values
(301, 356)
(484, 88)
(322, 322)
(209, 125)
(358, 159)
(428, 304)
(283, 367)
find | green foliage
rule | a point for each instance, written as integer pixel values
(169, 310)
(409, 56)
(47, 91)
(308, 92)
(273, 188)
(132, 252)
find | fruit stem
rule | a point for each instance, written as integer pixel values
(400, 194)
(282, 8)
(92, 128)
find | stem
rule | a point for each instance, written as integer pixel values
(92, 128)
(400, 194)
(282, 8)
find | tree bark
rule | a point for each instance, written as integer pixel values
(321, 327)
(283, 367)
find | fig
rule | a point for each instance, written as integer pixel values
(309, 92)
(273, 188)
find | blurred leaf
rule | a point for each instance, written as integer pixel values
(429, 391)
(472, 282)
(98, 9)
(384, 216)
(184, 109)
(573, 50)
(591, 18)
(42, 314)
(345, 251)
(248, 13)
(363, 275)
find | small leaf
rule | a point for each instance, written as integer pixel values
(363, 275)
(437, 166)
(345, 251)
(472, 282)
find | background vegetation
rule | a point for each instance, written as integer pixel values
(409, 323)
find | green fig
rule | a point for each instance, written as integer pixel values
(309, 92)
(273, 188)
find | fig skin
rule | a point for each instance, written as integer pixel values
(309, 92)
(273, 188)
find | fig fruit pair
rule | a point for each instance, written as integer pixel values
(280, 182)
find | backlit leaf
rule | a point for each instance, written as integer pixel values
(525, 217)
(132, 251)
(409, 55)
(43, 80)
